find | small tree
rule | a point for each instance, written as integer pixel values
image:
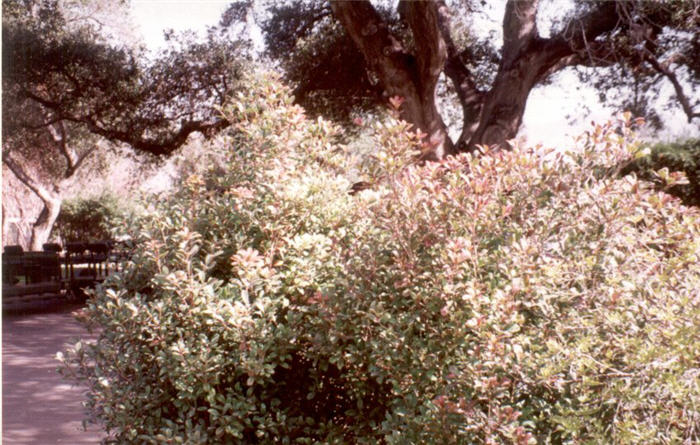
(86, 219)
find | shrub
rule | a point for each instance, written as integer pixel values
(511, 297)
(93, 218)
(661, 158)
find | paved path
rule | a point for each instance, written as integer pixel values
(38, 406)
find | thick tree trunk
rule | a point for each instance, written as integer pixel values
(490, 118)
(43, 225)
(412, 77)
(504, 104)
(51, 200)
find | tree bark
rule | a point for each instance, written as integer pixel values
(504, 105)
(527, 59)
(412, 77)
(490, 117)
(470, 97)
(41, 229)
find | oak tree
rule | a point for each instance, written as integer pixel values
(352, 52)
(67, 90)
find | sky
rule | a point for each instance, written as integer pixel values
(155, 16)
(546, 116)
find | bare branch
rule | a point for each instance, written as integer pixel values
(663, 69)
(519, 28)
(43, 194)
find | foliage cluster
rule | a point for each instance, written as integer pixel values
(679, 156)
(512, 297)
(94, 218)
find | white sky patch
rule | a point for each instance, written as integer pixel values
(155, 16)
(556, 113)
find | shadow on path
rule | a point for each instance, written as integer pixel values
(38, 405)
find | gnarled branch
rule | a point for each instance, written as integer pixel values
(577, 41)
(663, 69)
(43, 193)
(468, 94)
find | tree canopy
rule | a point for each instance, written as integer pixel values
(67, 88)
(354, 53)
(66, 85)
(74, 76)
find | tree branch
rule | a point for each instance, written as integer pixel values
(382, 52)
(370, 33)
(519, 28)
(576, 43)
(58, 134)
(43, 194)
(671, 76)
(81, 158)
(597, 55)
(42, 101)
(154, 146)
(431, 50)
(28, 126)
(468, 94)
(159, 147)
(311, 22)
(580, 31)
(411, 76)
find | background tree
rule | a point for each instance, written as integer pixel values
(634, 46)
(67, 90)
(92, 218)
(319, 59)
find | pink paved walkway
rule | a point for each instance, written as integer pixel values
(38, 406)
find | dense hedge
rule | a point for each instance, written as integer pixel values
(511, 297)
